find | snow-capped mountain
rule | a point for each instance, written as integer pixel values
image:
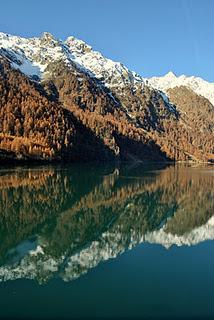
(33, 55)
(113, 74)
(170, 80)
(75, 77)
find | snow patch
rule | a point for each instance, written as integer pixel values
(170, 80)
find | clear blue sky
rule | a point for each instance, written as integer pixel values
(150, 37)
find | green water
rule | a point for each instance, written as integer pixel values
(107, 241)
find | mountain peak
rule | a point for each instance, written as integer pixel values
(47, 35)
(48, 38)
(77, 45)
(170, 80)
(170, 74)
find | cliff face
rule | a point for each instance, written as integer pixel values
(64, 101)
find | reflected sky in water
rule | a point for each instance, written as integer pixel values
(103, 225)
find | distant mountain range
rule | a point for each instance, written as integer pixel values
(61, 100)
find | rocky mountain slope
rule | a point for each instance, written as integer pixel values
(105, 112)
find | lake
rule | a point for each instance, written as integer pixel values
(91, 241)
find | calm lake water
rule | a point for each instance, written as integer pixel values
(95, 241)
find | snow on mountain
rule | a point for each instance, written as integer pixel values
(112, 73)
(170, 80)
(33, 55)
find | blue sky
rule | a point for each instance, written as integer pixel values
(150, 37)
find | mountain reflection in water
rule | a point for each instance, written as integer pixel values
(62, 221)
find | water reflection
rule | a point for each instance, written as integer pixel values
(62, 221)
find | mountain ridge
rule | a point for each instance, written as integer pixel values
(197, 84)
(143, 105)
(79, 47)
